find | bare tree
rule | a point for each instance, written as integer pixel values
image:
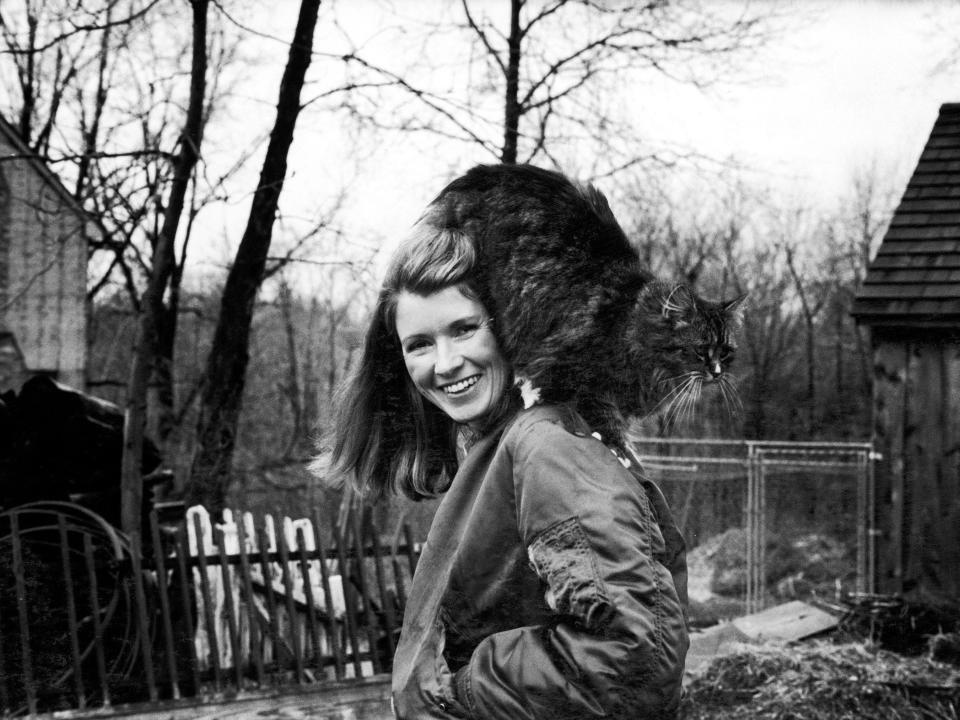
(809, 292)
(549, 68)
(225, 374)
(163, 266)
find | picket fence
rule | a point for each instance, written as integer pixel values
(90, 619)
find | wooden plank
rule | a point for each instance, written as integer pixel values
(143, 623)
(66, 564)
(19, 582)
(923, 424)
(366, 699)
(5, 708)
(888, 407)
(896, 242)
(207, 599)
(943, 261)
(95, 614)
(182, 552)
(312, 625)
(168, 639)
(909, 276)
(936, 219)
(386, 601)
(942, 141)
(927, 179)
(933, 308)
(349, 601)
(233, 626)
(938, 167)
(332, 628)
(945, 548)
(943, 153)
(947, 205)
(411, 551)
(944, 192)
(398, 580)
(285, 578)
(908, 291)
(368, 613)
(273, 623)
(791, 621)
(253, 618)
(945, 126)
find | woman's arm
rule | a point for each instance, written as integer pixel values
(617, 646)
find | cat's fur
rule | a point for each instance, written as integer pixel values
(574, 309)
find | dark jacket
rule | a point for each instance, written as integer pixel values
(552, 585)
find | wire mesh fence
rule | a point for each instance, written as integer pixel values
(768, 520)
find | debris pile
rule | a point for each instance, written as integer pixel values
(822, 680)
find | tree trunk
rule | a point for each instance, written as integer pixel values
(811, 375)
(225, 372)
(131, 488)
(511, 118)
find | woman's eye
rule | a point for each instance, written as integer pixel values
(417, 347)
(462, 332)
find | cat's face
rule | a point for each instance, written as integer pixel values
(696, 345)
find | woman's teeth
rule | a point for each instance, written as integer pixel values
(459, 387)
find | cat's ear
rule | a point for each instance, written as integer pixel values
(732, 308)
(677, 305)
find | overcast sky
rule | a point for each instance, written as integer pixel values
(848, 83)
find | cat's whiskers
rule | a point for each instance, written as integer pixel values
(667, 400)
(731, 397)
(681, 400)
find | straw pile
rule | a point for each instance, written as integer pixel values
(823, 681)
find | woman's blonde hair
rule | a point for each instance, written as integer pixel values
(383, 436)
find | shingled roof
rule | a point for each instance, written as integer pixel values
(915, 277)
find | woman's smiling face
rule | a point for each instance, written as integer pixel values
(451, 355)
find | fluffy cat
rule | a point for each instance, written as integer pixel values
(575, 311)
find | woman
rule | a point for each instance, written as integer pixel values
(552, 583)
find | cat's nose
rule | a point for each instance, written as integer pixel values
(715, 370)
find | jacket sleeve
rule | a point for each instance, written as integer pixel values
(617, 642)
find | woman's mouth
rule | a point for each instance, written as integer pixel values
(461, 386)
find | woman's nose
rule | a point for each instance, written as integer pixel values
(449, 358)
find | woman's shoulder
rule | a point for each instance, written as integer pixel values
(546, 423)
(559, 415)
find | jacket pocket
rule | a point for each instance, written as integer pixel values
(562, 558)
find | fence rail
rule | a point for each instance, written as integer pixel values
(90, 619)
(756, 465)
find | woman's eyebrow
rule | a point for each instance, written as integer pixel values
(467, 319)
(412, 336)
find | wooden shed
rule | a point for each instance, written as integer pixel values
(910, 300)
(43, 269)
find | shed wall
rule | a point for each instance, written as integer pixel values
(917, 430)
(43, 284)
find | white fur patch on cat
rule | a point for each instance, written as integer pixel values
(529, 394)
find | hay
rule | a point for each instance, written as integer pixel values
(823, 681)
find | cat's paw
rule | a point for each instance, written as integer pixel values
(529, 394)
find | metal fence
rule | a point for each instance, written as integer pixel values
(89, 620)
(769, 489)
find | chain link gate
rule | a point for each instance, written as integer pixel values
(824, 484)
